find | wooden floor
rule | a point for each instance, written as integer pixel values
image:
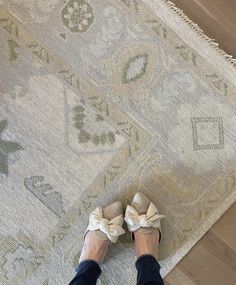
(217, 18)
(212, 261)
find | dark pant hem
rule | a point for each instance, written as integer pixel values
(88, 273)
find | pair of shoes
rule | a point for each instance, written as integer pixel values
(141, 215)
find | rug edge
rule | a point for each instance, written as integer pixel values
(195, 37)
(230, 71)
(170, 262)
(200, 32)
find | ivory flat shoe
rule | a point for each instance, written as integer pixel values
(142, 215)
(107, 222)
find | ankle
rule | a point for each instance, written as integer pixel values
(146, 243)
(94, 248)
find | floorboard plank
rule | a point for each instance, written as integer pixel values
(178, 278)
(225, 228)
(217, 18)
(202, 267)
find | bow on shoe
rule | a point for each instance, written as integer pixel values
(136, 221)
(113, 228)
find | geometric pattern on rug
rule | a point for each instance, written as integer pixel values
(98, 101)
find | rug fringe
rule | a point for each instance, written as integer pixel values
(200, 32)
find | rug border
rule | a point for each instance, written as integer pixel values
(194, 36)
(229, 71)
(212, 42)
(171, 261)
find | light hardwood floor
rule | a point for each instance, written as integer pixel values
(217, 18)
(212, 261)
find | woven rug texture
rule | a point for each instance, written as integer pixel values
(99, 100)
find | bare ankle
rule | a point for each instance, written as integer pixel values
(94, 248)
(146, 243)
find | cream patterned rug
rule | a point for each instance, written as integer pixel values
(100, 99)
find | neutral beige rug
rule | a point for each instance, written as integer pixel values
(100, 99)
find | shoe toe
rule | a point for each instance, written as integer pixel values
(113, 210)
(140, 202)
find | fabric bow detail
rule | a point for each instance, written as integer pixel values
(136, 221)
(113, 228)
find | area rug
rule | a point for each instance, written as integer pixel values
(100, 99)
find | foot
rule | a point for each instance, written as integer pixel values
(146, 242)
(94, 248)
(105, 226)
(144, 220)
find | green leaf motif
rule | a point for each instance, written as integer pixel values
(6, 147)
(79, 125)
(79, 108)
(3, 125)
(3, 164)
(79, 116)
(103, 138)
(9, 147)
(111, 137)
(84, 136)
(135, 68)
(12, 47)
(45, 193)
